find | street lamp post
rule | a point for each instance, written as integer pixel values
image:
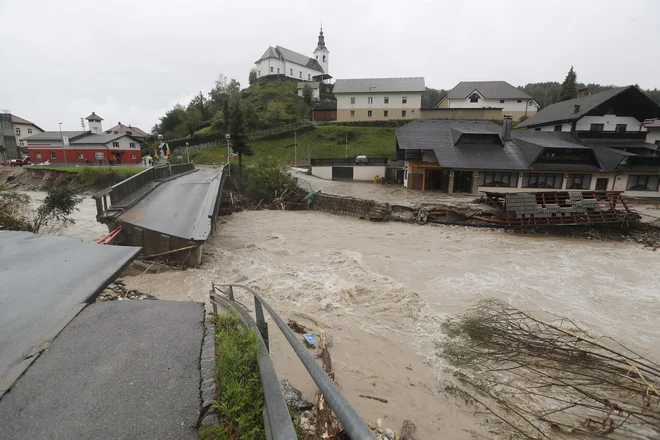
(228, 137)
(63, 150)
(187, 152)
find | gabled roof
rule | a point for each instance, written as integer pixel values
(94, 117)
(375, 85)
(294, 57)
(56, 135)
(16, 120)
(487, 89)
(122, 129)
(565, 111)
(519, 154)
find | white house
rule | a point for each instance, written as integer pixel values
(13, 131)
(491, 94)
(614, 113)
(377, 99)
(314, 85)
(281, 61)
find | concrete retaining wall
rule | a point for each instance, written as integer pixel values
(351, 207)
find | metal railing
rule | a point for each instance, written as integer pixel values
(277, 420)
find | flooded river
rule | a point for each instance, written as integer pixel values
(382, 290)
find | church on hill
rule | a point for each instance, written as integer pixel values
(285, 62)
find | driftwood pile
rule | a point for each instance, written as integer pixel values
(554, 380)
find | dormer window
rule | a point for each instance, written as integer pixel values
(576, 108)
(474, 98)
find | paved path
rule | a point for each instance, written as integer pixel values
(44, 282)
(180, 207)
(120, 370)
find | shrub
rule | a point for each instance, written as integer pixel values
(269, 179)
(13, 209)
(55, 213)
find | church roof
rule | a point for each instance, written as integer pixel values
(94, 117)
(294, 57)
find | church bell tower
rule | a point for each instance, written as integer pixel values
(322, 54)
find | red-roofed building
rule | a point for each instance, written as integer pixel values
(652, 130)
(128, 130)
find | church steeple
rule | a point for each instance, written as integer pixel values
(321, 44)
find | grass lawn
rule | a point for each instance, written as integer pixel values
(325, 141)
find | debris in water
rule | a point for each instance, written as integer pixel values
(293, 325)
(309, 338)
(380, 399)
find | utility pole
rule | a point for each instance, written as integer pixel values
(295, 149)
(63, 150)
(309, 154)
(346, 145)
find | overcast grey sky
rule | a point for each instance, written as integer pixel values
(130, 60)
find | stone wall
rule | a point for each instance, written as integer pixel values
(351, 207)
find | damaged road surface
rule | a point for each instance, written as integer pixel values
(119, 370)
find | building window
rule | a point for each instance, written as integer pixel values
(386, 100)
(578, 181)
(352, 99)
(643, 183)
(385, 113)
(271, 70)
(115, 145)
(81, 156)
(403, 113)
(133, 156)
(21, 143)
(404, 100)
(620, 128)
(301, 73)
(537, 129)
(130, 133)
(576, 108)
(259, 73)
(352, 113)
(291, 70)
(278, 70)
(52, 155)
(558, 127)
(132, 145)
(370, 100)
(309, 77)
(369, 113)
(18, 131)
(493, 179)
(519, 101)
(38, 155)
(474, 98)
(542, 180)
(29, 131)
(597, 127)
(324, 58)
(530, 103)
(501, 101)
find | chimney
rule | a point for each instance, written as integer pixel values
(576, 108)
(508, 124)
(583, 92)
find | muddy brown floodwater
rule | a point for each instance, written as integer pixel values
(382, 291)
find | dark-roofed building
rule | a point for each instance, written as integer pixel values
(652, 130)
(12, 126)
(613, 114)
(289, 64)
(472, 156)
(377, 99)
(91, 146)
(490, 94)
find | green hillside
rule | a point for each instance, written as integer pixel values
(325, 141)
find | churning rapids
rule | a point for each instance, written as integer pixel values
(382, 291)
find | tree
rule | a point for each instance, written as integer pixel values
(55, 213)
(431, 97)
(233, 88)
(201, 103)
(308, 94)
(193, 119)
(238, 129)
(253, 76)
(569, 86)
